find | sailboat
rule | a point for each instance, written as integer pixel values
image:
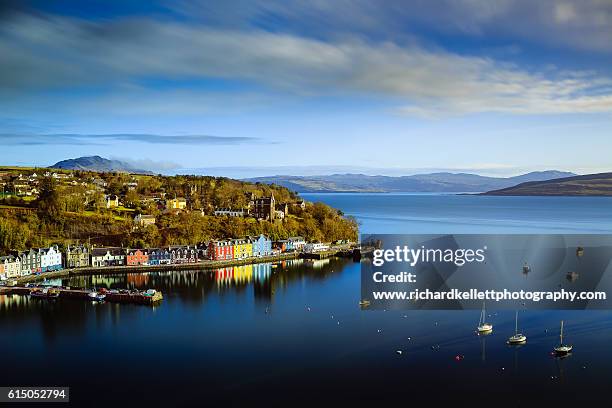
(526, 269)
(518, 338)
(563, 349)
(484, 327)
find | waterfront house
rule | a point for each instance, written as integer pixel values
(181, 254)
(143, 220)
(220, 250)
(50, 259)
(11, 267)
(30, 262)
(107, 257)
(159, 256)
(242, 248)
(220, 212)
(282, 245)
(263, 208)
(297, 243)
(262, 245)
(77, 256)
(315, 247)
(136, 257)
(202, 250)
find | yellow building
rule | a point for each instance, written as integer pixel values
(176, 204)
(243, 248)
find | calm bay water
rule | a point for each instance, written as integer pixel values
(294, 334)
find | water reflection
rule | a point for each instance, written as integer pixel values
(234, 321)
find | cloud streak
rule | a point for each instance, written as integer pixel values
(106, 139)
(51, 52)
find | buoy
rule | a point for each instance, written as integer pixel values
(378, 331)
(459, 357)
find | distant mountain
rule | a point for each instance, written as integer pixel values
(599, 184)
(97, 163)
(433, 182)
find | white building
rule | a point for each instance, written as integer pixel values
(297, 243)
(229, 212)
(50, 259)
(315, 247)
(107, 257)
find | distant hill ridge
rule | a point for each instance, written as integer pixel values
(598, 184)
(97, 163)
(432, 182)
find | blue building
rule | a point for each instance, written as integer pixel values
(262, 245)
(159, 256)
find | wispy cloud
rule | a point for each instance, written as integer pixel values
(105, 139)
(421, 81)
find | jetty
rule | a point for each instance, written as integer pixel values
(126, 297)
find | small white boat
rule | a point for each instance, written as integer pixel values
(518, 338)
(563, 349)
(484, 327)
(96, 297)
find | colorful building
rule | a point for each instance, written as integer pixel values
(176, 204)
(242, 248)
(221, 250)
(180, 254)
(136, 257)
(10, 266)
(159, 256)
(262, 245)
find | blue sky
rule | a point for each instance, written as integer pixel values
(240, 88)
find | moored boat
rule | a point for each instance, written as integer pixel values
(563, 349)
(44, 293)
(96, 297)
(483, 327)
(517, 338)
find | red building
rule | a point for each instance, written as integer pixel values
(220, 250)
(137, 257)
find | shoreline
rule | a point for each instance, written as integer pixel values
(110, 270)
(201, 265)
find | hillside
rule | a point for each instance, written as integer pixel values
(587, 185)
(39, 208)
(433, 182)
(97, 163)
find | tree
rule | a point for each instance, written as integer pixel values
(49, 203)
